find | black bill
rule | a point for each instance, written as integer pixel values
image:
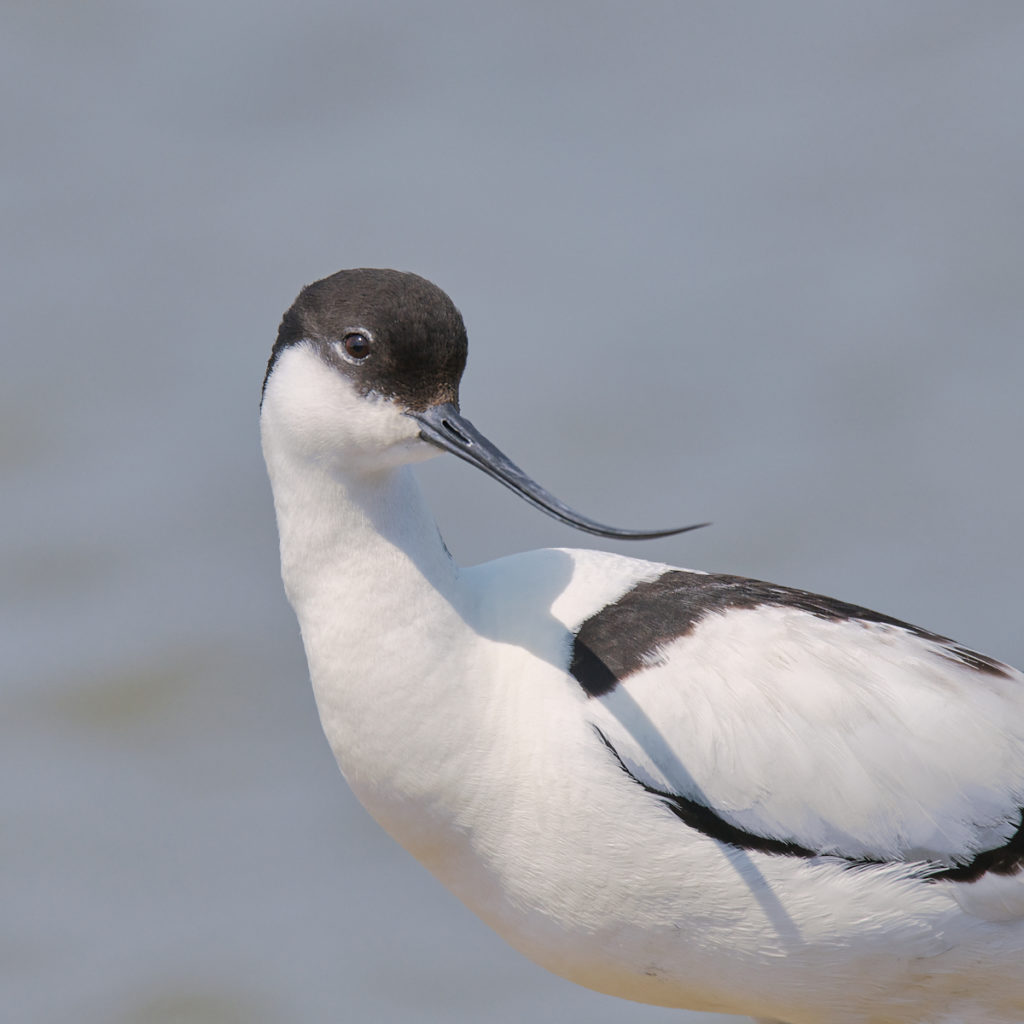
(444, 426)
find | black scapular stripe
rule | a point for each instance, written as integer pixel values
(623, 636)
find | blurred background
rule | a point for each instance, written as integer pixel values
(758, 264)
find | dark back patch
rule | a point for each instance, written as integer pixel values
(624, 636)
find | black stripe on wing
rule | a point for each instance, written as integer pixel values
(625, 635)
(704, 820)
(1005, 860)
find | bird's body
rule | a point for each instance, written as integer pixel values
(684, 789)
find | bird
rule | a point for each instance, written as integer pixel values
(681, 788)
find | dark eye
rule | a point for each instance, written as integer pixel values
(356, 345)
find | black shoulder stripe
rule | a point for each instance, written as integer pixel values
(1005, 860)
(623, 636)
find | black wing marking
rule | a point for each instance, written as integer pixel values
(1004, 860)
(623, 636)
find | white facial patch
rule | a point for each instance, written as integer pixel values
(313, 409)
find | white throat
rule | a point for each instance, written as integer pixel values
(361, 555)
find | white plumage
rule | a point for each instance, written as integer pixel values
(682, 789)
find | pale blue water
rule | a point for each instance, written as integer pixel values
(759, 264)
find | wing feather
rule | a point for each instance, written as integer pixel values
(861, 738)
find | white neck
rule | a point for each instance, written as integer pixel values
(366, 541)
(362, 558)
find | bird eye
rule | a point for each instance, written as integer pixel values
(356, 345)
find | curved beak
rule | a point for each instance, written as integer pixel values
(444, 426)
